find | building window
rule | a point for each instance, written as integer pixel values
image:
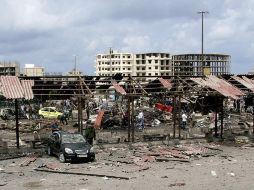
(137, 68)
(143, 74)
(162, 68)
(156, 61)
(137, 62)
(143, 68)
(123, 56)
(129, 63)
(129, 56)
(149, 68)
(149, 74)
(156, 74)
(149, 61)
(129, 69)
(156, 67)
(123, 68)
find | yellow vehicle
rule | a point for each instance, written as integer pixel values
(49, 112)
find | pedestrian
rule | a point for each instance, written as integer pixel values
(63, 119)
(184, 121)
(54, 126)
(90, 134)
(141, 119)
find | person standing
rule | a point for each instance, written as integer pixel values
(184, 120)
(141, 120)
(90, 134)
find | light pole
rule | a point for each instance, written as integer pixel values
(202, 48)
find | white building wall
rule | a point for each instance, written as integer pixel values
(129, 64)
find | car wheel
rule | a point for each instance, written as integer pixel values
(49, 151)
(61, 157)
(91, 159)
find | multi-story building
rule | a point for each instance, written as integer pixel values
(114, 62)
(192, 64)
(32, 70)
(152, 64)
(129, 64)
(9, 68)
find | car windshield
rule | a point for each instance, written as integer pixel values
(73, 138)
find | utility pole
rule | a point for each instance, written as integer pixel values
(202, 48)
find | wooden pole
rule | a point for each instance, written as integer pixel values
(179, 117)
(174, 116)
(222, 116)
(129, 119)
(253, 114)
(216, 118)
(132, 119)
(79, 115)
(17, 122)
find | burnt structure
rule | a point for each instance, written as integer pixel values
(194, 65)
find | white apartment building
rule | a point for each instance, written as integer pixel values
(114, 62)
(129, 64)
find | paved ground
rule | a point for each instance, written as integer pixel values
(231, 169)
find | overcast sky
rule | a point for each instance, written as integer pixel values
(49, 32)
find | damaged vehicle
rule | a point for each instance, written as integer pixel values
(69, 147)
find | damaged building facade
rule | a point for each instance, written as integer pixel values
(194, 65)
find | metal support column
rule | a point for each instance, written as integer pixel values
(17, 122)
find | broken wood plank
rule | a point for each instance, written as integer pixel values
(213, 148)
(28, 161)
(78, 173)
(138, 169)
(160, 159)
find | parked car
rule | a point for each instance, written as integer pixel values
(49, 112)
(69, 147)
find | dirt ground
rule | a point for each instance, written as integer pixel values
(232, 168)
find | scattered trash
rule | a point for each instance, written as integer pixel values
(3, 184)
(213, 173)
(177, 184)
(231, 174)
